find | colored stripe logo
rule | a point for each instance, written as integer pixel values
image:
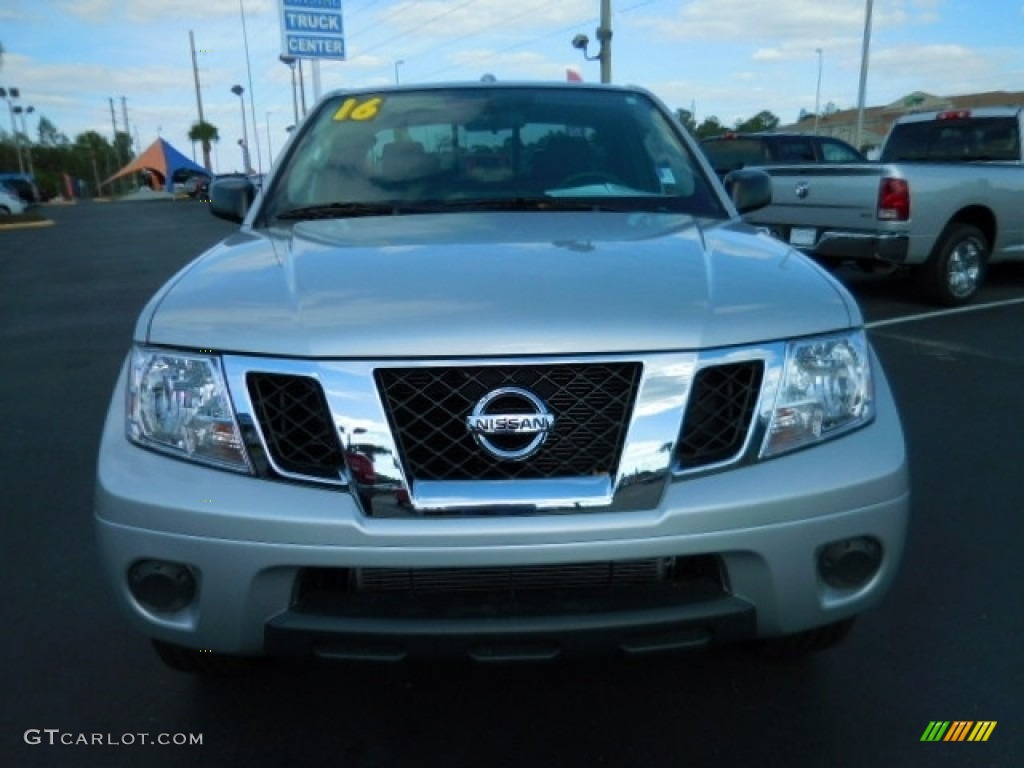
(958, 730)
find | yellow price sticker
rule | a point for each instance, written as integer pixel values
(354, 109)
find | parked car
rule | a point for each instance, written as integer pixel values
(732, 151)
(560, 402)
(24, 186)
(196, 185)
(10, 203)
(942, 202)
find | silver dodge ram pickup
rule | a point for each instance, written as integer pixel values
(943, 203)
(497, 371)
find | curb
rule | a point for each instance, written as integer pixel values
(27, 225)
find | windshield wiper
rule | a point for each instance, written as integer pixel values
(543, 203)
(339, 211)
(396, 207)
(499, 204)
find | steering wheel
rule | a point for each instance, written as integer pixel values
(589, 177)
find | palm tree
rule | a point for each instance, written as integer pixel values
(204, 132)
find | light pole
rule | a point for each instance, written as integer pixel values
(290, 61)
(24, 129)
(817, 95)
(863, 74)
(7, 94)
(270, 149)
(302, 88)
(252, 91)
(238, 91)
(398, 63)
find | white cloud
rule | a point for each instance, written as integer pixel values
(103, 11)
(950, 69)
(803, 21)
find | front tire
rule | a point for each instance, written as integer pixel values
(956, 268)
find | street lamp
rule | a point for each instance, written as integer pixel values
(290, 61)
(238, 91)
(28, 139)
(7, 94)
(817, 95)
(604, 38)
(398, 63)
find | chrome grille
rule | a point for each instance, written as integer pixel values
(718, 416)
(296, 424)
(427, 408)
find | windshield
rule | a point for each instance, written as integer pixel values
(732, 154)
(954, 140)
(506, 148)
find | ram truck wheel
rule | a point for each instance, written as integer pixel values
(955, 270)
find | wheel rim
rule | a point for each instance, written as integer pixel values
(964, 272)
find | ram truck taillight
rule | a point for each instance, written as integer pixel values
(893, 200)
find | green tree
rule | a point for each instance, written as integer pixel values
(206, 133)
(95, 147)
(711, 126)
(48, 135)
(686, 117)
(762, 121)
(123, 147)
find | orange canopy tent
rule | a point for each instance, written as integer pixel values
(162, 159)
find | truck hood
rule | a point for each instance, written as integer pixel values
(472, 284)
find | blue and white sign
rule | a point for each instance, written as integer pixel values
(312, 29)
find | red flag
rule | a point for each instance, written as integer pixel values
(573, 76)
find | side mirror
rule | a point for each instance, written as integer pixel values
(231, 198)
(749, 189)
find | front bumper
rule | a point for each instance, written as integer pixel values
(249, 542)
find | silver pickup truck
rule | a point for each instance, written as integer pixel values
(497, 371)
(944, 200)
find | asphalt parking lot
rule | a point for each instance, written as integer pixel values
(945, 645)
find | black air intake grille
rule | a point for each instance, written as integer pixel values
(428, 408)
(296, 423)
(582, 575)
(718, 416)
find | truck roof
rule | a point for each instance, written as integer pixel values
(959, 114)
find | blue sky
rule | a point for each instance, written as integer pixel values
(727, 58)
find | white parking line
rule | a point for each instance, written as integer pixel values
(942, 313)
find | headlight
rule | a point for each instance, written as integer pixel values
(825, 390)
(178, 403)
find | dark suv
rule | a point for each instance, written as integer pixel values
(732, 151)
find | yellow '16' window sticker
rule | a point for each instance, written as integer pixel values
(355, 109)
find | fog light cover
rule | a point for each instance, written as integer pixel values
(850, 563)
(162, 586)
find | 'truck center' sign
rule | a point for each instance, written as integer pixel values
(312, 29)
